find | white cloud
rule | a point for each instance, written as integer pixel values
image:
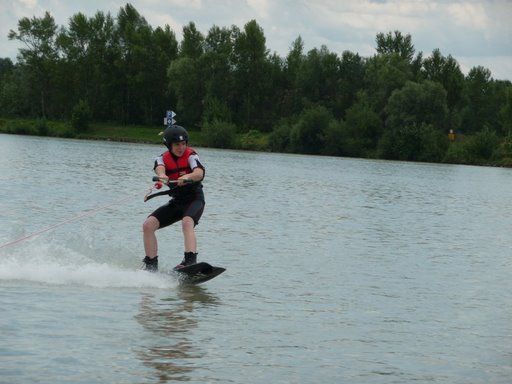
(30, 4)
(371, 15)
(469, 15)
(19, 9)
(377, 22)
(261, 7)
(194, 4)
(157, 19)
(500, 66)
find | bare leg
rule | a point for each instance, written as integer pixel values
(150, 243)
(187, 225)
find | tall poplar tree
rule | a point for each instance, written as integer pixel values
(40, 57)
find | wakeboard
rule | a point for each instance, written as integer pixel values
(197, 273)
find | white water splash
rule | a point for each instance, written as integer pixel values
(56, 265)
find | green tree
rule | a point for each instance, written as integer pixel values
(186, 78)
(291, 98)
(15, 87)
(383, 75)
(103, 57)
(6, 67)
(416, 123)
(391, 68)
(185, 81)
(476, 90)
(164, 49)
(364, 128)
(40, 57)
(252, 83)
(506, 113)
(351, 80)
(395, 43)
(446, 71)
(496, 101)
(216, 66)
(308, 134)
(318, 78)
(417, 104)
(276, 87)
(6, 81)
(141, 67)
(133, 34)
(413, 142)
(192, 44)
(77, 67)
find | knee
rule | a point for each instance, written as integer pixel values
(151, 224)
(187, 224)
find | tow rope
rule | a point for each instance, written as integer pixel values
(87, 213)
(71, 219)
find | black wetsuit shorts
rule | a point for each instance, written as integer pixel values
(177, 208)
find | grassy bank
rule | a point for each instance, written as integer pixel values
(252, 140)
(96, 131)
(480, 149)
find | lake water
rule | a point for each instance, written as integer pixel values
(338, 270)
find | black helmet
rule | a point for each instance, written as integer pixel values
(175, 134)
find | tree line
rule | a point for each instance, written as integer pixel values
(395, 104)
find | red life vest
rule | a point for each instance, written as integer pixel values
(176, 167)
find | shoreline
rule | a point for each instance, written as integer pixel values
(150, 135)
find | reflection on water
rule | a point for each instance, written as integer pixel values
(167, 347)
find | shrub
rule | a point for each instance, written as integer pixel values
(364, 128)
(81, 116)
(219, 134)
(254, 141)
(433, 144)
(504, 152)
(481, 148)
(482, 145)
(214, 109)
(67, 132)
(279, 138)
(20, 127)
(456, 154)
(307, 136)
(335, 138)
(413, 142)
(42, 127)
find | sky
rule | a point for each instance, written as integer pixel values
(474, 32)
